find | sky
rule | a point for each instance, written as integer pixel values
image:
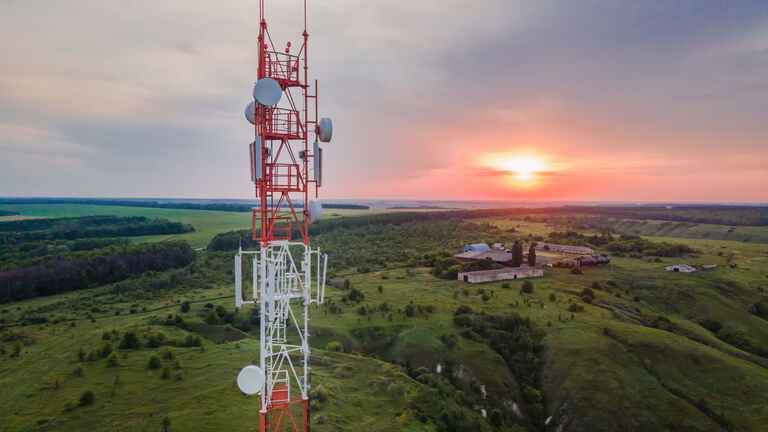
(430, 99)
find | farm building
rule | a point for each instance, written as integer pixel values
(498, 246)
(500, 274)
(591, 260)
(581, 250)
(682, 268)
(501, 257)
(477, 247)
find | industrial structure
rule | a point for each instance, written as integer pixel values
(552, 247)
(288, 274)
(500, 274)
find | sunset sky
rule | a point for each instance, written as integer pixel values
(431, 99)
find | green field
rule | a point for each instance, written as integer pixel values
(634, 359)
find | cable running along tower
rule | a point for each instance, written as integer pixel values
(288, 274)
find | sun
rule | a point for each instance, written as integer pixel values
(524, 167)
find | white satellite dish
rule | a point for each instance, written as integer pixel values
(315, 210)
(250, 112)
(267, 92)
(325, 129)
(250, 380)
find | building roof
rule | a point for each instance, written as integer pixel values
(481, 247)
(565, 248)
(495, 255)
(501, 270)
(685, 267)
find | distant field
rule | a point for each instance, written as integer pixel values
(752, 234)
(207, 223)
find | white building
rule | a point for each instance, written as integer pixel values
(682, 268)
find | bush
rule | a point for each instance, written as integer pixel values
(527, 287)
(576, 271)
(154, 362)
(113, 359)
(86, 398)
(334, 346)
(463, 309)
(712, 325)
(409, 310)
(574, 307)
(185, 307)
(505, 285)
(551, 297)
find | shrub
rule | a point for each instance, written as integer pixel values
(185, 307)
(596, 286)
(104, 350)
(527, 287)
(505, 285)
(86, 398)
(463, 309)
(211, 317)
(551, 297)
(576, 271)
(78, 371)
(574, 307)
(334, 346)
(166, 372)
(154, 362)
(113, 359)
(409, 310)
(712, 325)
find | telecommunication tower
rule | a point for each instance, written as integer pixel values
(288, 274)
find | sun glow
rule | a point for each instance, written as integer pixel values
(522, 167)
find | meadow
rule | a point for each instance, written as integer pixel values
(628, 346)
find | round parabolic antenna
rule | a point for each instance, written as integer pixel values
(250, 380)
(325, 129)
(250, 112)
(267, 92)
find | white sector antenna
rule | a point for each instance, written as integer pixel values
(267, 92)
(250, 380)
(315, 210)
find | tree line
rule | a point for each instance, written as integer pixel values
(25, 230)
(80, 270)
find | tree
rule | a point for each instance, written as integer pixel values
(184, 308)
(517, 254)
(532, 254)
(166, 424)
(527, 287)
(130, 341)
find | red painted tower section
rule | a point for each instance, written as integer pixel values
(283, 148)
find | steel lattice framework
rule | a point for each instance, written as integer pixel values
(288, 274)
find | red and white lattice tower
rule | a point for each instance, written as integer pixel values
(288, 275)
